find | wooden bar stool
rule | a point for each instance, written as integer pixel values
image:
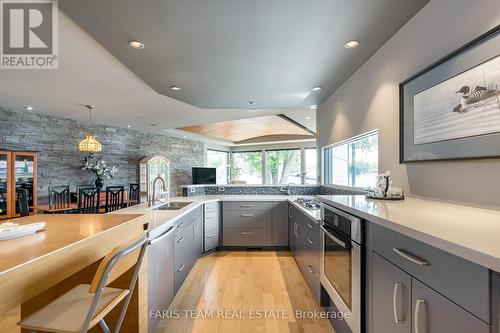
(85, 305)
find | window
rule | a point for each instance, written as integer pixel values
(246, 167)
(283, 167)
(353, 162)
(310, 166)
(220, 160)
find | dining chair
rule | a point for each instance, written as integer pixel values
(133, 195)
(22, 202)
(85, 306)
(89, 200)
(59, 197)
(114, 198)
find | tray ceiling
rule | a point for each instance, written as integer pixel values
(246, 129)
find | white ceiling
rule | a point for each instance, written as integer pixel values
(89, 74)
(223, 53)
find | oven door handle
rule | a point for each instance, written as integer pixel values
(328, 231)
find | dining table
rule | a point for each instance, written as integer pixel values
(67, 208)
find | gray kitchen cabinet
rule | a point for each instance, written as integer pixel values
(433, 313)
(247, 224)
(305, 248)
(187, 248)
(211, 226)
(280, 224)
(420, 289)
(391, 297)
(464, 282)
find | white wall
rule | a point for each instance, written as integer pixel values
(369, 100)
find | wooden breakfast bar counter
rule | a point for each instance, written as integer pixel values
(37, 268)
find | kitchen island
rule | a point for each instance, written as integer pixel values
(36, 268)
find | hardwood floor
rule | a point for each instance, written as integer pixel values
(228, 290)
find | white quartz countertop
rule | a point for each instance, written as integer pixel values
(467, 232)
(160, 220)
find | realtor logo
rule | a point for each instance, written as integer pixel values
(29, 34)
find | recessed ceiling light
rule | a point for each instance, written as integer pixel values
(175, 88)
(308, 118)
(128, 126)
(317, 88)
(183, 136)
(153, 125)
(29, 108)
(251, 102)
(136, 45)
(314, 107)
(351, 44)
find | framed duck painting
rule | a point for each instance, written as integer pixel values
(451, 110)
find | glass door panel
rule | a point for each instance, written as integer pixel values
(4, 188)
(24, 177)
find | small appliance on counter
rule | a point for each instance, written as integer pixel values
(383, 189)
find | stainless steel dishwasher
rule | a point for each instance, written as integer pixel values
(160, 276)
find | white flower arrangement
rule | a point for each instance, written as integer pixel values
(98, 167)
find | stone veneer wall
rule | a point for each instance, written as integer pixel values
(59, 161)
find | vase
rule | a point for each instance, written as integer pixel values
(99, 182)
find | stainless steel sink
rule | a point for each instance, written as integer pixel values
(174, 205)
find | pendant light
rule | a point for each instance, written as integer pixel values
(90, 143)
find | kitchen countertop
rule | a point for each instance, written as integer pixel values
(467, 232)
(160, 220)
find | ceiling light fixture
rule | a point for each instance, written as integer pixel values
(176, 88)
(251, 102)
(308, 118)
(317, 88)
(90, 143)
(314, 107)
(128, 126)
(351, 44)
(29, 108)
(153, 125)
(136, 45)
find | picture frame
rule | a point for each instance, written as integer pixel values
(451, 109)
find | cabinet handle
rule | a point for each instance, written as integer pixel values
(209, 237)
(411, 257)
(310, 241)
(181, 267)
(398, 306)
(180, 240)
(310, 269)
(247, 233)
(418, 326)
(310, 225)
(296, 230)
(246, 215)
(246, 206)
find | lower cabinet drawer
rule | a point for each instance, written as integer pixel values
(211, 221)
(211, 206)
(311, 245)
(247, 219)
(465, 283)
(247, 205)
(211, 240)
(182, 269)
(311, 275)
(246, 237)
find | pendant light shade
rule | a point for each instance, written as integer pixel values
(90, 143)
